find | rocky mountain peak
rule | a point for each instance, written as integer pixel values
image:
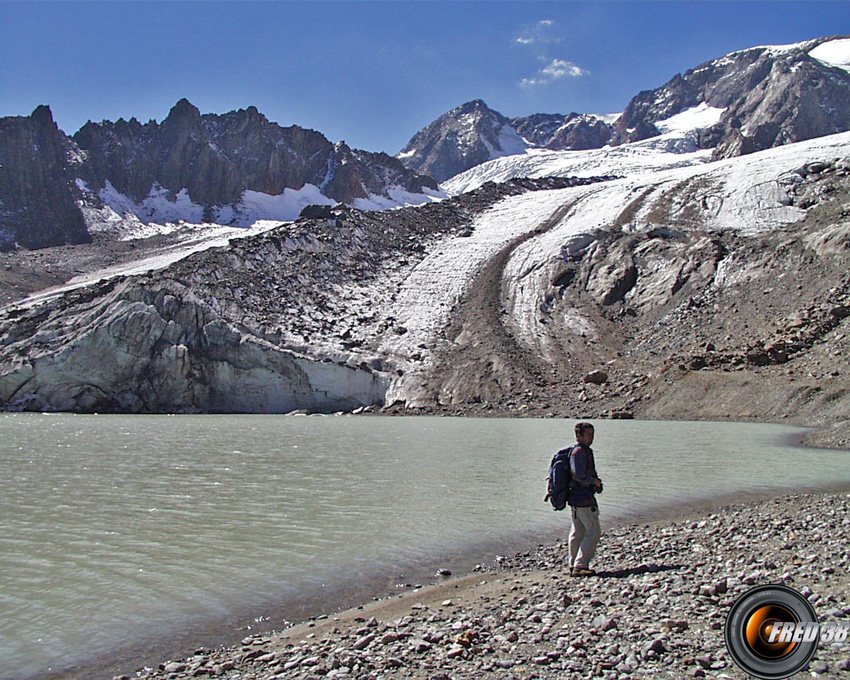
(475, 106)
(768, 96)
(217, 158)
(183, 111)
(43, 116)
(466, 136)
(37, 190)
(474, 133)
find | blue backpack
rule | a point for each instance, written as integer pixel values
(560, 476)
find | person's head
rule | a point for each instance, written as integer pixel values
(584, 433)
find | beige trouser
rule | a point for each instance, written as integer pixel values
(584, 536)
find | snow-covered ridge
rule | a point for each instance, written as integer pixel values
(833, 53)
(675, 147)
(110, 211)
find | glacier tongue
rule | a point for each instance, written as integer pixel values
(749, 195)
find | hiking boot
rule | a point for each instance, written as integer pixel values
(582, 571)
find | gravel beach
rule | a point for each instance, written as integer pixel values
(656, 608)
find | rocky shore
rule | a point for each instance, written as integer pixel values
(656, 608)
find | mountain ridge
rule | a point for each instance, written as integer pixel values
(191, 166)
(766, 96)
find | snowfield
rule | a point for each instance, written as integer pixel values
(660, 153)
(111, 212)
(833, 53)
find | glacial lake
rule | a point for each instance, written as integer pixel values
(126, 535)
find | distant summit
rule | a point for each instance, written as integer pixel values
(473, 133)
(748, 101)
(460, 139)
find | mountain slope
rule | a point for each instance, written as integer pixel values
(473, 133)
(719, 289)
(216, 159)
(769, 96)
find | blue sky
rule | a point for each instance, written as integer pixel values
(371, 73)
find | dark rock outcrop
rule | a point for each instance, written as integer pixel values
(37, 191)
(573, 132)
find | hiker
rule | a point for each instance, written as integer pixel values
(585, 484)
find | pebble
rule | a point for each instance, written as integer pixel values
(364, 642)
(820, 667)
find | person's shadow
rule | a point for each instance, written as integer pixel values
(637, 571)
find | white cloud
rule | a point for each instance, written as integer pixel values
(563, 69)
(555, 70)
(540, 33)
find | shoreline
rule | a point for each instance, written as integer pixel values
(526, 618)
(389, 607)
(831, 434)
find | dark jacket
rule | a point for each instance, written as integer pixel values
(583, 484)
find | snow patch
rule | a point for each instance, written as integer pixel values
(157, 206)
(833, 53)
(255, 206)
(398, 198)
(111, 211)
(689, 120)
(510, 141)
(160, 213)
